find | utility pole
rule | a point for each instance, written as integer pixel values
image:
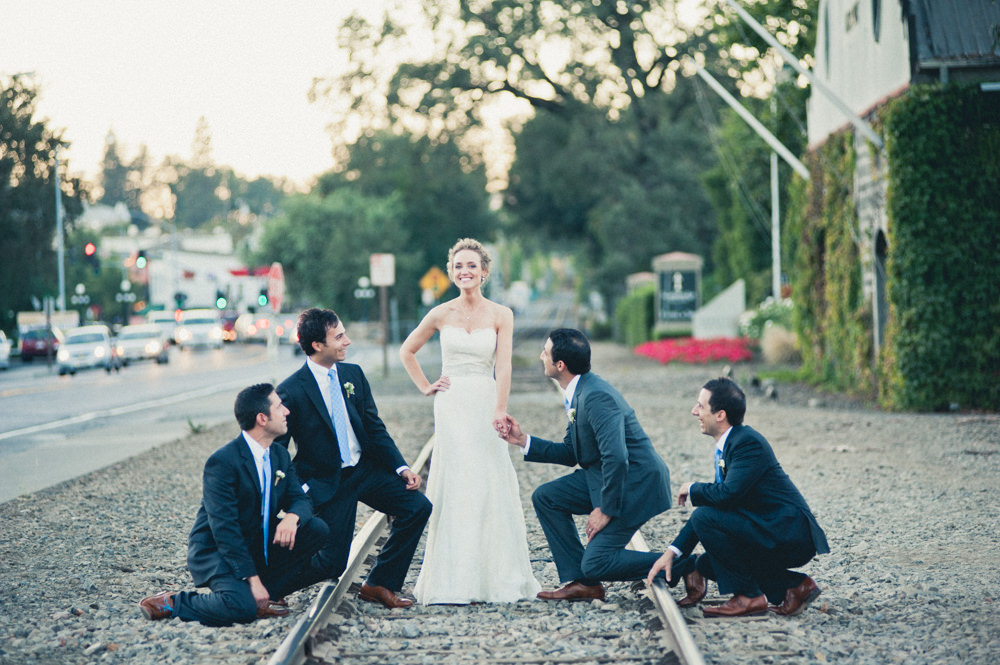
(61, 240)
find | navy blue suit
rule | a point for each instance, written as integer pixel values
(226, 544)
(754, 525)
(335, 492)
(620, 473)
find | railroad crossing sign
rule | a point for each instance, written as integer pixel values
(435, 281)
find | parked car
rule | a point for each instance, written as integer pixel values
(257, 327)
(199, 327)
(166, 321)
(39, 342)
(88, 346)
(142, 342)
(4, 350)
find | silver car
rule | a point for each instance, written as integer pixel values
(142, 342)
(4, 350)
(87, 346)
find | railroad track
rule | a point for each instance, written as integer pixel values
(315, 638)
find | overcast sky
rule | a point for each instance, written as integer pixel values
(149, 70)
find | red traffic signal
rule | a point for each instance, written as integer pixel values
(89, 249)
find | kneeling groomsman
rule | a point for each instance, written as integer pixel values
(752, 521)
(238, 547)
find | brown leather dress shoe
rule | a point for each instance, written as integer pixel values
(739, 606)
(274, 609)
(379, 594)
(160, 606)
(575, 591)
(696, 587)
(798, 598)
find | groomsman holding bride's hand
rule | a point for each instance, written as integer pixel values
(621, 482)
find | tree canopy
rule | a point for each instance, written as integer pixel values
(28, 145)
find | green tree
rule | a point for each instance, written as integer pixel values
(324, 244)
(114, 174)
(601, 81)
(197, 184)
(442, 194)
(28, 146)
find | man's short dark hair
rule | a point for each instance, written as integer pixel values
(572, 347)
(313, 326)
(727, 396)
(251, 401)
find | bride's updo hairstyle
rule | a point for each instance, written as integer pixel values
(475, 246)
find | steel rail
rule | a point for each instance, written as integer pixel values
(680, 638)
(292, 650)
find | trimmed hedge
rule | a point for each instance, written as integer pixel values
(634, 315)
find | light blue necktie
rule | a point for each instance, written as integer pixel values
(566, 404)
(338, 412)
(718, 469)
(265, 508)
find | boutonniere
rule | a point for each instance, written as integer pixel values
(722, 464)
(572, 415)
(349, 388)
(278, 477)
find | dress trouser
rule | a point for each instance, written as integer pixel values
(231, 601)
(604, 558)
(735, 559)
(385, 492)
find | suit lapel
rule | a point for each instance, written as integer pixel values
(312, 391)
(249, 466)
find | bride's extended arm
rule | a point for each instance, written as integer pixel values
(408, 353)
(505, 341)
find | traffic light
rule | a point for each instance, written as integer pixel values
(180, 298)
(140, 259)
(220, 299)
(262, 298)
(91, 257)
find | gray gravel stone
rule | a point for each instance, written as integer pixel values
(909, 503)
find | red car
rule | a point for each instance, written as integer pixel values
(38, 343)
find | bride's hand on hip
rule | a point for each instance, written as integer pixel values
(441, 384)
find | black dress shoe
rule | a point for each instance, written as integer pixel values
(379, 594)
(739, 606)
(696, 587)
(798, 598)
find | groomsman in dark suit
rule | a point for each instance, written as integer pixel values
(752, 521)
(344, 454)
(239, 548)
(621, 482)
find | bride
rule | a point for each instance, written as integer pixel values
(477, 549)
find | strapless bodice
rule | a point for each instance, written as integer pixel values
(468, 353)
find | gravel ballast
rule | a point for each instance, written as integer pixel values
(909, 503)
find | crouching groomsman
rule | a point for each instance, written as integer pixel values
(239, 547)
(752, 521)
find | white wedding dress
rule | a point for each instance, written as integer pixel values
(477, 547)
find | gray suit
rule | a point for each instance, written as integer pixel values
(620, 473)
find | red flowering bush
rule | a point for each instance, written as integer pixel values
(690, 350)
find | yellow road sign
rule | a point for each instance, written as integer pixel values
(435, 280)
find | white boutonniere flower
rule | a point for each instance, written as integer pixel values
(349, 388)
(572, 415)
(278, 476)
(722, 464)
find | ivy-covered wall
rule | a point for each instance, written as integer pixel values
(833, 321)
(942, 342)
